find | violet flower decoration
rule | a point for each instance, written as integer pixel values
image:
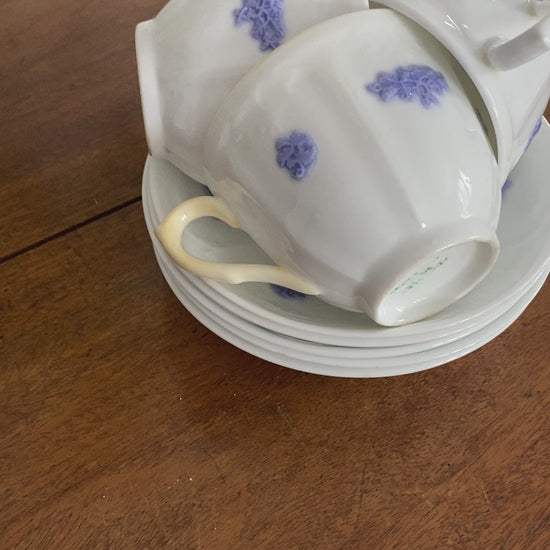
(268, 23)
(409, 83)
(297, 154)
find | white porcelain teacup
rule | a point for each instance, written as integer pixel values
(353, 157)
(503, 47)
(194, 51)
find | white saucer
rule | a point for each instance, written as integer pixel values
(524, 232)
(360, 368)
(301, 349)
(328, 360)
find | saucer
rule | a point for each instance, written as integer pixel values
(328, 360)
(335, 355)
(524, 233)
(314, 351)
(333, 366)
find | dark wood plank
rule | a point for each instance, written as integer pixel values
(126, 424)
(72, 141)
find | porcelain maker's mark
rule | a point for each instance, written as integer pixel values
(268, 22)
(419, 276)
(408, 83)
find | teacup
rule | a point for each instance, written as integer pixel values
(503, 47)
(194, 51)
(353, 157)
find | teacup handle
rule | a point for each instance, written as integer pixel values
(170, 232)
(506, 54)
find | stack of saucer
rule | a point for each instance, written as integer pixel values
(304, 333)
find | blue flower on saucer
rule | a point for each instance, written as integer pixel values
(288, 293)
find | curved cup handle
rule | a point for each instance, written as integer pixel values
(508, 54)
(170, 231)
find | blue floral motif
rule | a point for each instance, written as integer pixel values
(268, 23)
(407, 83)
(288, 293)
(297, 154)
(536, 130)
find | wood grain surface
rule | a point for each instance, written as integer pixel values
(125, 424)
(72, 128)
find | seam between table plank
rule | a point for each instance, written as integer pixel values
(69, 229)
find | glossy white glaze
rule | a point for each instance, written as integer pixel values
(394, 183)
(189, 58)
(513, 78)
(524, 233)
(331, 362)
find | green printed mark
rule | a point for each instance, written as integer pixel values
(418, 276)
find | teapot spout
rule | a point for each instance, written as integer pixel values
(506, 54)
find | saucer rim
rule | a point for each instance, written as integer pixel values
(419, 361)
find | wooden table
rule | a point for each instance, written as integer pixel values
(125, 424)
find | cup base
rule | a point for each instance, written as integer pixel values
(435, 283)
